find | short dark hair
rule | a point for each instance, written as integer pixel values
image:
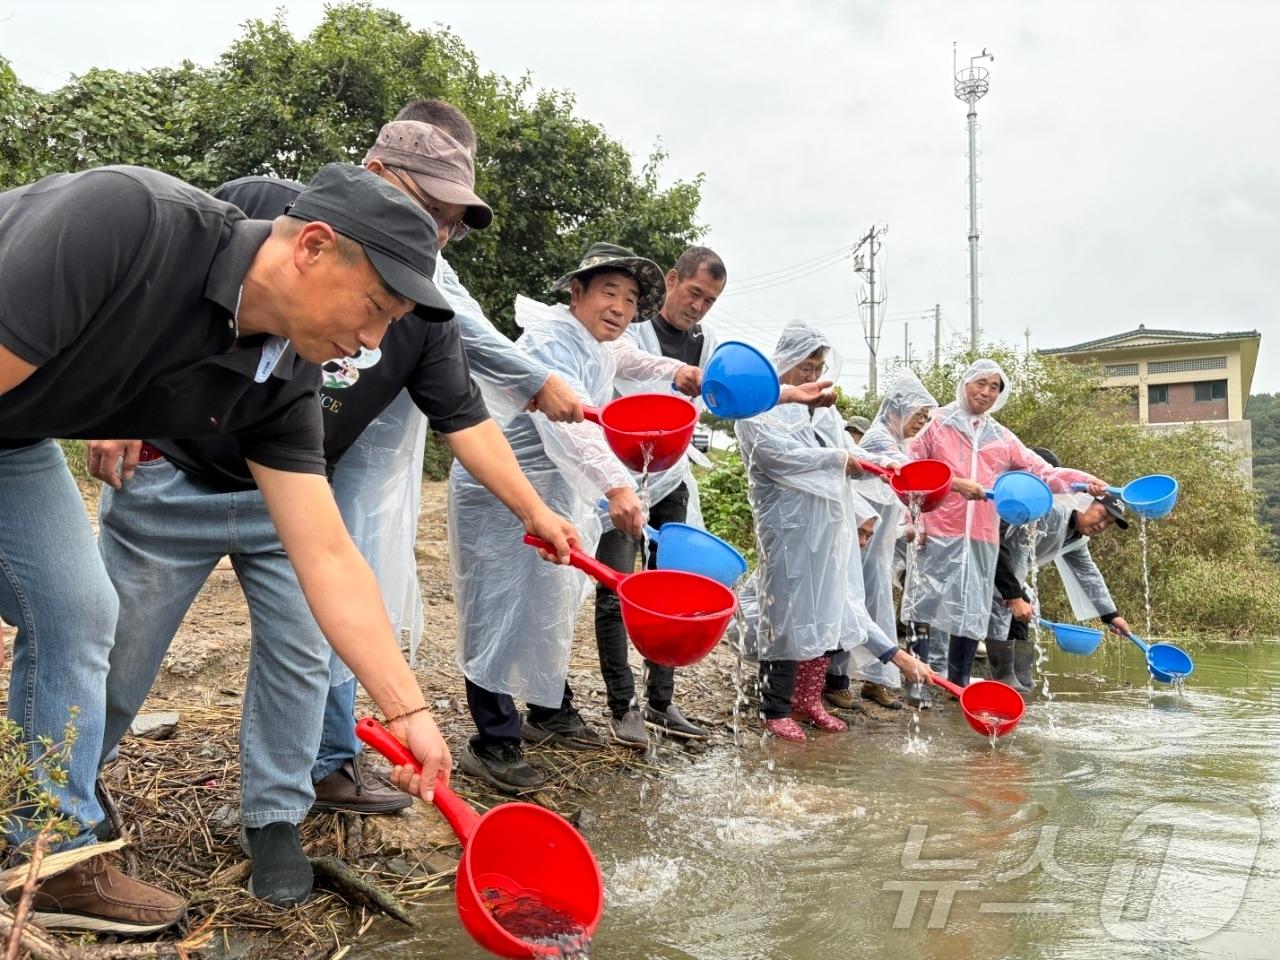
(696, 258)
(442, 114)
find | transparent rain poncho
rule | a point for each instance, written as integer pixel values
(516, 612)
(1085, 586)
(378, 486)
(904, 397)
(803, 507)
(641, 368)
(378, 482)
(864, 639)
(951, 589)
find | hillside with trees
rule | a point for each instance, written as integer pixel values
(1264, 412)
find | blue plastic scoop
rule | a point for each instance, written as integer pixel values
(1151, 497)
(1073, 639)
(1021, 497)
(1166, 662)
(685, 547)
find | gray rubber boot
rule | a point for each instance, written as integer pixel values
(1024, 657)
(1000, 664)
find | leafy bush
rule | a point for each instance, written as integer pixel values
(437, 458)
(27, 805)
(725, 511)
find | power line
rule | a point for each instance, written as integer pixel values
(804, 263)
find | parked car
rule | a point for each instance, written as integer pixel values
(701, 439)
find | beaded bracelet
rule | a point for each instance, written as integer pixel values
(407, 713)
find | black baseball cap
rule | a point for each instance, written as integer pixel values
(397, 235)
(1115, 507)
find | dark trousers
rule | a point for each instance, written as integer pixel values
(777, 686)
(620, 552)
(497, 718)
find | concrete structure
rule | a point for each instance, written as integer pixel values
(1175, 377)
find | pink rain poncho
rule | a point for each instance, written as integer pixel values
(949, 582)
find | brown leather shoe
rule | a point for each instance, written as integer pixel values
(879, 693)
(95, 895)
(841, 699)
(354, 788)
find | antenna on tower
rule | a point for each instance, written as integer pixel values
(971, 85)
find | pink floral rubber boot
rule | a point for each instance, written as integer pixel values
(807, 701)
(784, 728)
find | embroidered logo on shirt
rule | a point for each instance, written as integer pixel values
(343, 372)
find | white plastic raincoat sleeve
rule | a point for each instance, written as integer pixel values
(633, 363)
(1086, 589)
(507, 376)
(776, 452)
(378, 486)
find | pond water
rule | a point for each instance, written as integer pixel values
(1115, 822)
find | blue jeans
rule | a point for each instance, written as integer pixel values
(54, 589)
(338, 740)
(161, 536)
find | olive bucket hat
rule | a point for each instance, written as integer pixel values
(653, 288)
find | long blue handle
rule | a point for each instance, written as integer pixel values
(1144, 648)
(1114, 491)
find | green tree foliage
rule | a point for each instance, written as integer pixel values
(284, 105)
(1264, 412)
(725, 510)
(1209, 568)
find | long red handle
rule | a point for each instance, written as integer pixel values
(866, 466)
(591, 413)
(457, 811)
(954, 689)
(584, 562)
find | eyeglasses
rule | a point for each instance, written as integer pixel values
(811, 369)
(455, 229)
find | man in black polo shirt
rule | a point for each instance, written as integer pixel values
(132, 304)
(192, 501)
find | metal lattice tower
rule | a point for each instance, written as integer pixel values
(971, 85)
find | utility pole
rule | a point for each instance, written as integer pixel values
(1027, 334)
(871, 242)
(937, 334)
(906, 344)
(971, 85)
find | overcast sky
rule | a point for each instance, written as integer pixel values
(1129, 149)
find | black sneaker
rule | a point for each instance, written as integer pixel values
(281, 871)
(565, 728)
(503, 765)
(674, 723)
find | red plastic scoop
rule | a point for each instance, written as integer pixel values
(930, 479)
(646, 430)
(992, 708)
(527, 884)
(674, 618)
